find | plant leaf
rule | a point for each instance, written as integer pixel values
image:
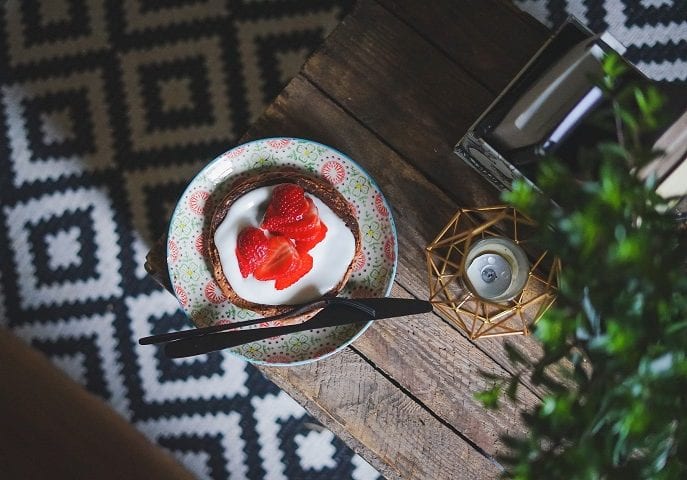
(490, 397)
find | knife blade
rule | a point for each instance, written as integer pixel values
(333, 315)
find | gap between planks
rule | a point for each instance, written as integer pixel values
(507, 368)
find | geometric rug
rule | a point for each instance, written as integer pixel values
(653, 31)
(107, 110)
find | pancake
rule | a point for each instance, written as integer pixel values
(244, 205)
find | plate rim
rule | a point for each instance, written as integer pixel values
(392, 223)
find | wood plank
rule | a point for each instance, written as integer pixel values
(405, 91)
(490, 39)
(446, 357)
(426, 112)
(50, 427)
(367, 411)
(441, 370)
(414, 97)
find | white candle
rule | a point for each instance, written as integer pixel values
(496, 269)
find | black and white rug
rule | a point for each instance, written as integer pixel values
(107, 109)
(654, 31)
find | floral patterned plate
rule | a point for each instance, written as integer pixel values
(202, 299)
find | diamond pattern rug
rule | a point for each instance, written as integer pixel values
(654, 31)
(107, 109)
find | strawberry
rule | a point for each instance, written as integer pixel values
(296, 272)
(288, 205)
(306, 227)
(251, 249)
(307, 244)
(281, 255)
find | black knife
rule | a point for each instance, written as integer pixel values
(332, 315)
(297, 311)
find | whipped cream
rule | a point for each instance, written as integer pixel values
(331, 257)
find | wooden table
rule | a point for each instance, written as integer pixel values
(395, 86)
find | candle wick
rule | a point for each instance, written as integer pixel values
(489, 275)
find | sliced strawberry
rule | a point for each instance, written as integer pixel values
(298, 270)
(287, 197)
(281, 255)
(307, 244)
(251, 249)
(306, 227)
(287, 205)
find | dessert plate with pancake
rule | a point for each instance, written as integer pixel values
(275, 223)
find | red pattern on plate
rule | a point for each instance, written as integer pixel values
(389, 249)
(279, 143)
(359, 262)
(213, 293)
(172, 251)
(235, 152)
(280, 359)
(199, 243)
(333, 171)
(379, 205)
(181, 295)
(197, 201)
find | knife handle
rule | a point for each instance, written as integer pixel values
(338, 312)
(197, 332)
(308, 307)
(188, 347)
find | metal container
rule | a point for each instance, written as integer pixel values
(542, 111)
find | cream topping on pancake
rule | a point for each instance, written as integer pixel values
(331, 257)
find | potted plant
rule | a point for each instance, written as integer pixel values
(614, 361)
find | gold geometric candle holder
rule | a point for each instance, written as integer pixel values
(477, 249)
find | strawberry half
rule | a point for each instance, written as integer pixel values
(298, 270)
(307, 244)
(288, 205)
(304, 228)
(280, 258)
(251, 249)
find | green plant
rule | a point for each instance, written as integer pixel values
(615, 342)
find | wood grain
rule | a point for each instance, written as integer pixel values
(399, 86)
(490, 39)
(399, 437)
(372, 67)
(50, 427)
(431, 360)
(442, 370)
